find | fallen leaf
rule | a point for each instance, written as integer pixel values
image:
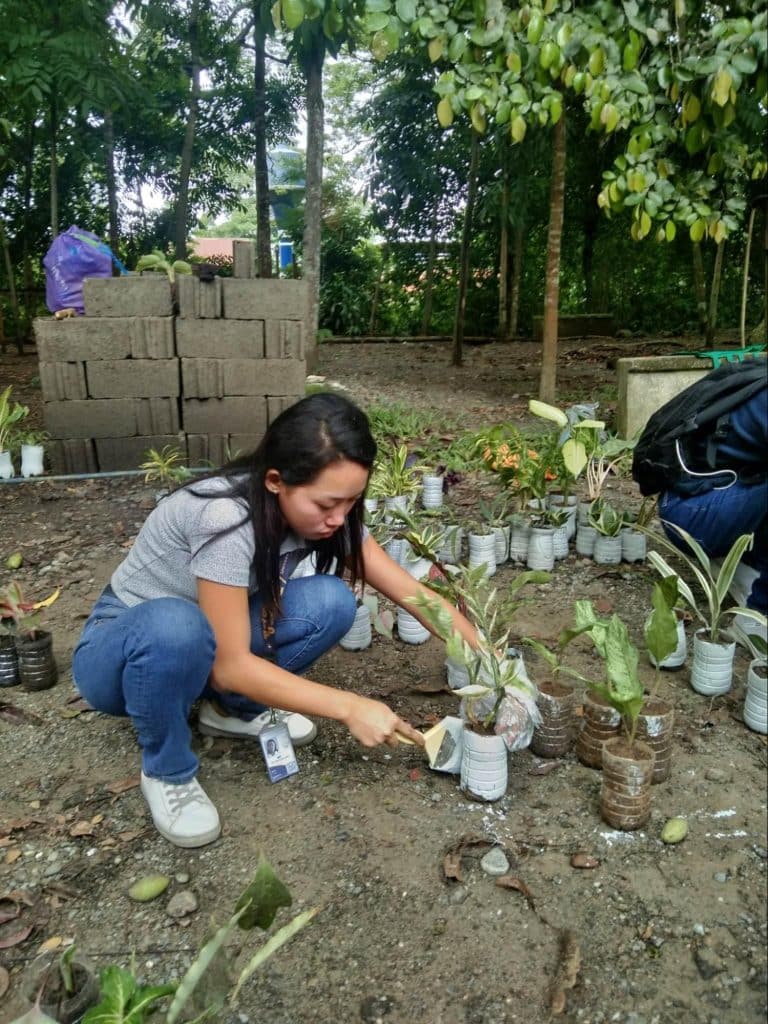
(81, 828)
(16, 938)
(452, 858)
(511, 882)
(567, 971)
(122, 785)
(11, 912)
(5, 980)
(35, 805)
(12, 856)
(55, 942)
(128, 837)
(545, 767)
(17, 716)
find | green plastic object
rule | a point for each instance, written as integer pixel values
(727, 355)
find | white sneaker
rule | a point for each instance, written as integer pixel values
(213, 722)
(182, 814)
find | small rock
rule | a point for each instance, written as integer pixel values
(458, 894)
(584, 860)
(182, 903)
(716, 775)
(721, 876)
(494, 862)
(182, 877)
(707, 963)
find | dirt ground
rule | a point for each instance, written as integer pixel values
(653, 934)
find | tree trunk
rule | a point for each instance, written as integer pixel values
(548, 382)
(54, 170)
(714, 294)
(429, 280)
(12, 297)
(377, 293)
(503, 325)
(517, 277)
(745, 281)
(261, 176)
(464, 261)
(700, 287)
(313, 208)
(109, 145)
(188, 146)
(28, 276)
(588, 258)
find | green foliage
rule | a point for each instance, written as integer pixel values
(165, 466)
(10, 415)
(606, 520)
(157, 261)
(661, 625)
(19, 615)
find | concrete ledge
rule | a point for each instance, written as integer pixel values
(578, 325)
(134, 295)
(648, 382)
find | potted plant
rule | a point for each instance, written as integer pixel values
(359, 636)
(633, 531)
(712, 669)
(556, 699)
(63, 988)
(756, 698)
(432, 490)
(157, 262)
(34, 646)
(482, 546)
(396, 477)
(32, 450)
(608, 523)
(496, 514)
(656, 719)
(11, 413)
(165, 468)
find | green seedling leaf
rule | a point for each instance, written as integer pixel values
(65, 967)
(547, 412)
(574, 456)
(587, 622)
(675, 830)
(661, 627)
(549, 656)
(206, 955)
(262, 899)
(278, 939)
(123, 1000)
(149, 888)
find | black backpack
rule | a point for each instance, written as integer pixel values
(698, 414)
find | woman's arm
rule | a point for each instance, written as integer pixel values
(386, 576)
(237, 670)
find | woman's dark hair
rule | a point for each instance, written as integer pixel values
(305, 438)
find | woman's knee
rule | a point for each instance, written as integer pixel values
(174, 626)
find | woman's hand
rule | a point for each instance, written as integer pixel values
(371, 722)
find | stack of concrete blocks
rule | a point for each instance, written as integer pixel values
(131, 375)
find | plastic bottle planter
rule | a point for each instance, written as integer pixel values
(586, 536)
(756, 700)
(655, 725)
(37, 666)
(453, 538)
(457, 675)
(541, 548)
(359, 636)
(677, 658)
(398, 502)
(712, 668)
(432, 491)
(482, 549)
(396, 549)
(582, 514)
(519, 537)
(625, 793)
(44, 977)
(607, 550)
(6, 466)
(484, 770)
(32, 460)
(557, 706)
(501, 545)
(9, 662)
(415, 566)
(560, 542)
(371, 504)
(409, 629)
(600, 722)
(570, 504)
(633, 546)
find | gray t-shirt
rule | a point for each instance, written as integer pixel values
(181, 542)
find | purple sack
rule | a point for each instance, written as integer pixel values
(74, 255)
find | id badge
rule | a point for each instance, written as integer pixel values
(278, 752)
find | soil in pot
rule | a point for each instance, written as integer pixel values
(557, 706)
(600, 722)
(625, 794)
(37, 665)
(655, 726)
(9, 662)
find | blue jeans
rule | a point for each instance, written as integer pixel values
(151, 662)
(715, 519)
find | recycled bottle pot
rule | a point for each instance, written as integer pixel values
(396, 549)
(625, 792)
(634, 545)
(519, 538)
(371, 504)
(560, 542)
(600, 722)
(457, 675)
(359, 635)
(712, 668)
(582, 515)
(585, 540)
(607, 550)
(655, 727)
(677, 658)
(54, 1000)
(557, 706)
(453, 539)
(396, 502)
(570, 504)
(37, 665)
(32, 460)
(541, 548)
(9, 662)
(501, 543)
(432, 491)
(416, 566)
(409, 629)
(6, 466)
(482, 549)
(756, 699)
(484, 766)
